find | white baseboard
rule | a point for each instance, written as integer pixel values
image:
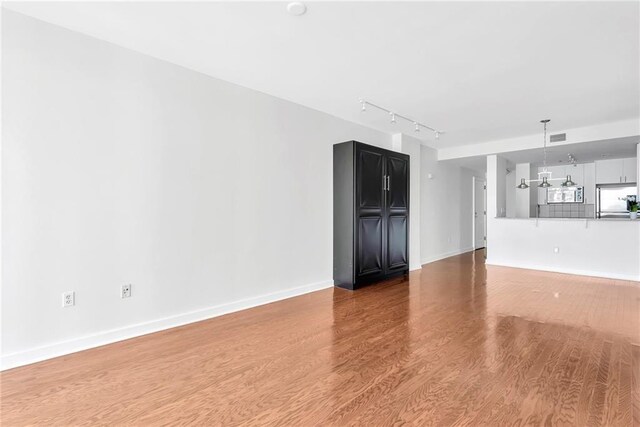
(446, 255)
(606, 275)
(38, 354)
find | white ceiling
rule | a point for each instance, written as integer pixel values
(480, 70)
(586, 152)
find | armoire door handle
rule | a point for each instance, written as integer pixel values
(384, 183)
(388, 183)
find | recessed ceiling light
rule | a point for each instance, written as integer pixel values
(296, 8)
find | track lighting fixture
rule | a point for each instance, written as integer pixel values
(417, 125)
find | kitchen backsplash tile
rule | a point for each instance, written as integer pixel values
(567, 210)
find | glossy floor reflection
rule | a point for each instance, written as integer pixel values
(458, 343)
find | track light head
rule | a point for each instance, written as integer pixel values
(393, 116)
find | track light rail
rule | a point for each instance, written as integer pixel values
(394, 116)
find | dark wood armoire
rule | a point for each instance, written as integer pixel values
(370, 214)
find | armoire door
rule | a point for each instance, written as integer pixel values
(397, 224)
(370, 206)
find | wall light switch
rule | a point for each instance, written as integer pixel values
(556, 250)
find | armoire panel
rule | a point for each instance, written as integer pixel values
(397, 183)
(343, 213)
(370, 172)
(370, 243)
(397, 242)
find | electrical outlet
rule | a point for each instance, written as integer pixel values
(125, 291)
(68, 299)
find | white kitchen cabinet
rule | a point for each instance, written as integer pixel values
(609, 171)
(616, 171)
(630, 169)
(542, 196)
(589, 183)
(561, 172)
(556, 172)
(576, 172)
(582, 174)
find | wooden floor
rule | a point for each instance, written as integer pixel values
(457, 343)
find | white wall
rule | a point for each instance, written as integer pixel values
(412, 147)
(120, 168)
(597, 132)
(523, 197)
(589, 247)
(510, 194)
(446, 208)
(501, 195)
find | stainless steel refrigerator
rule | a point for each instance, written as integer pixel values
(612, 200)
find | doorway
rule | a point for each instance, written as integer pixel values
(479, 213)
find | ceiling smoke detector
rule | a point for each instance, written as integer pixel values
(296, 8)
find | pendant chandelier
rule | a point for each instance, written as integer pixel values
(544, 176)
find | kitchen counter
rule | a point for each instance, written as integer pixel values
(605, 247)
(574, 219)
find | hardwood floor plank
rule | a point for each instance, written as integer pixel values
(568, 403)
(596, 405)
(625, 406)
(635, 384)
(611, 412)
(455, 343)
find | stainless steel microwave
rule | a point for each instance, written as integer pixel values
(565, 195)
